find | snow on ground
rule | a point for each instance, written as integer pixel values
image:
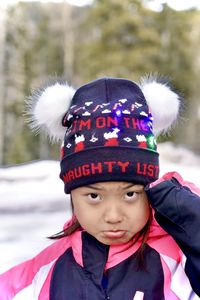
(177, 158)
(33, 204)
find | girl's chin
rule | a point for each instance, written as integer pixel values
(110, 243)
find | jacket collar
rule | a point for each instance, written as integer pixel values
(86, 249)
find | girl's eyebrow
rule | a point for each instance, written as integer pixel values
(128, 186)
(93, 187)
(101, 188)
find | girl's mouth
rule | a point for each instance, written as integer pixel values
(114, 234)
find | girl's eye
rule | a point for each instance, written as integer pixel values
(131, 196)
(94, 197)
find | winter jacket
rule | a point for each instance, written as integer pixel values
(79, 267)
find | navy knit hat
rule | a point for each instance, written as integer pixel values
(106, 127)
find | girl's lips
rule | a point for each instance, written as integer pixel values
(114, 234)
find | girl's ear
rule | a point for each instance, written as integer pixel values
(46, 108)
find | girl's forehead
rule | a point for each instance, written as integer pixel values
(111, 185)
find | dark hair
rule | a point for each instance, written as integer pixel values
(66, 232)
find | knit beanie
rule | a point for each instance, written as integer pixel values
(108, 128)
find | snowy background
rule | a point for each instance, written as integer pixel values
(33, 204)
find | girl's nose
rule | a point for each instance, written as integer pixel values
(113, 214)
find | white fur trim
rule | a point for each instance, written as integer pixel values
(163, 103)
(46, 109)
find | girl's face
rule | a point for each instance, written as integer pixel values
(112, 212)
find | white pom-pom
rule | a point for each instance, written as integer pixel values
(164, 104)
(46, 109)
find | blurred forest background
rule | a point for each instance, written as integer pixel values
(39, 41)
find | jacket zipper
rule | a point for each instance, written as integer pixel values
(107, 297)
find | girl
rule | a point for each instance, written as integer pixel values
(132, 235)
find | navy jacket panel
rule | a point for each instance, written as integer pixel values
(134, 274)
(95, 256)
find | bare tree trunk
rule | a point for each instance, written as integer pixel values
(2, 79)
(193, 128)
(68, 44)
